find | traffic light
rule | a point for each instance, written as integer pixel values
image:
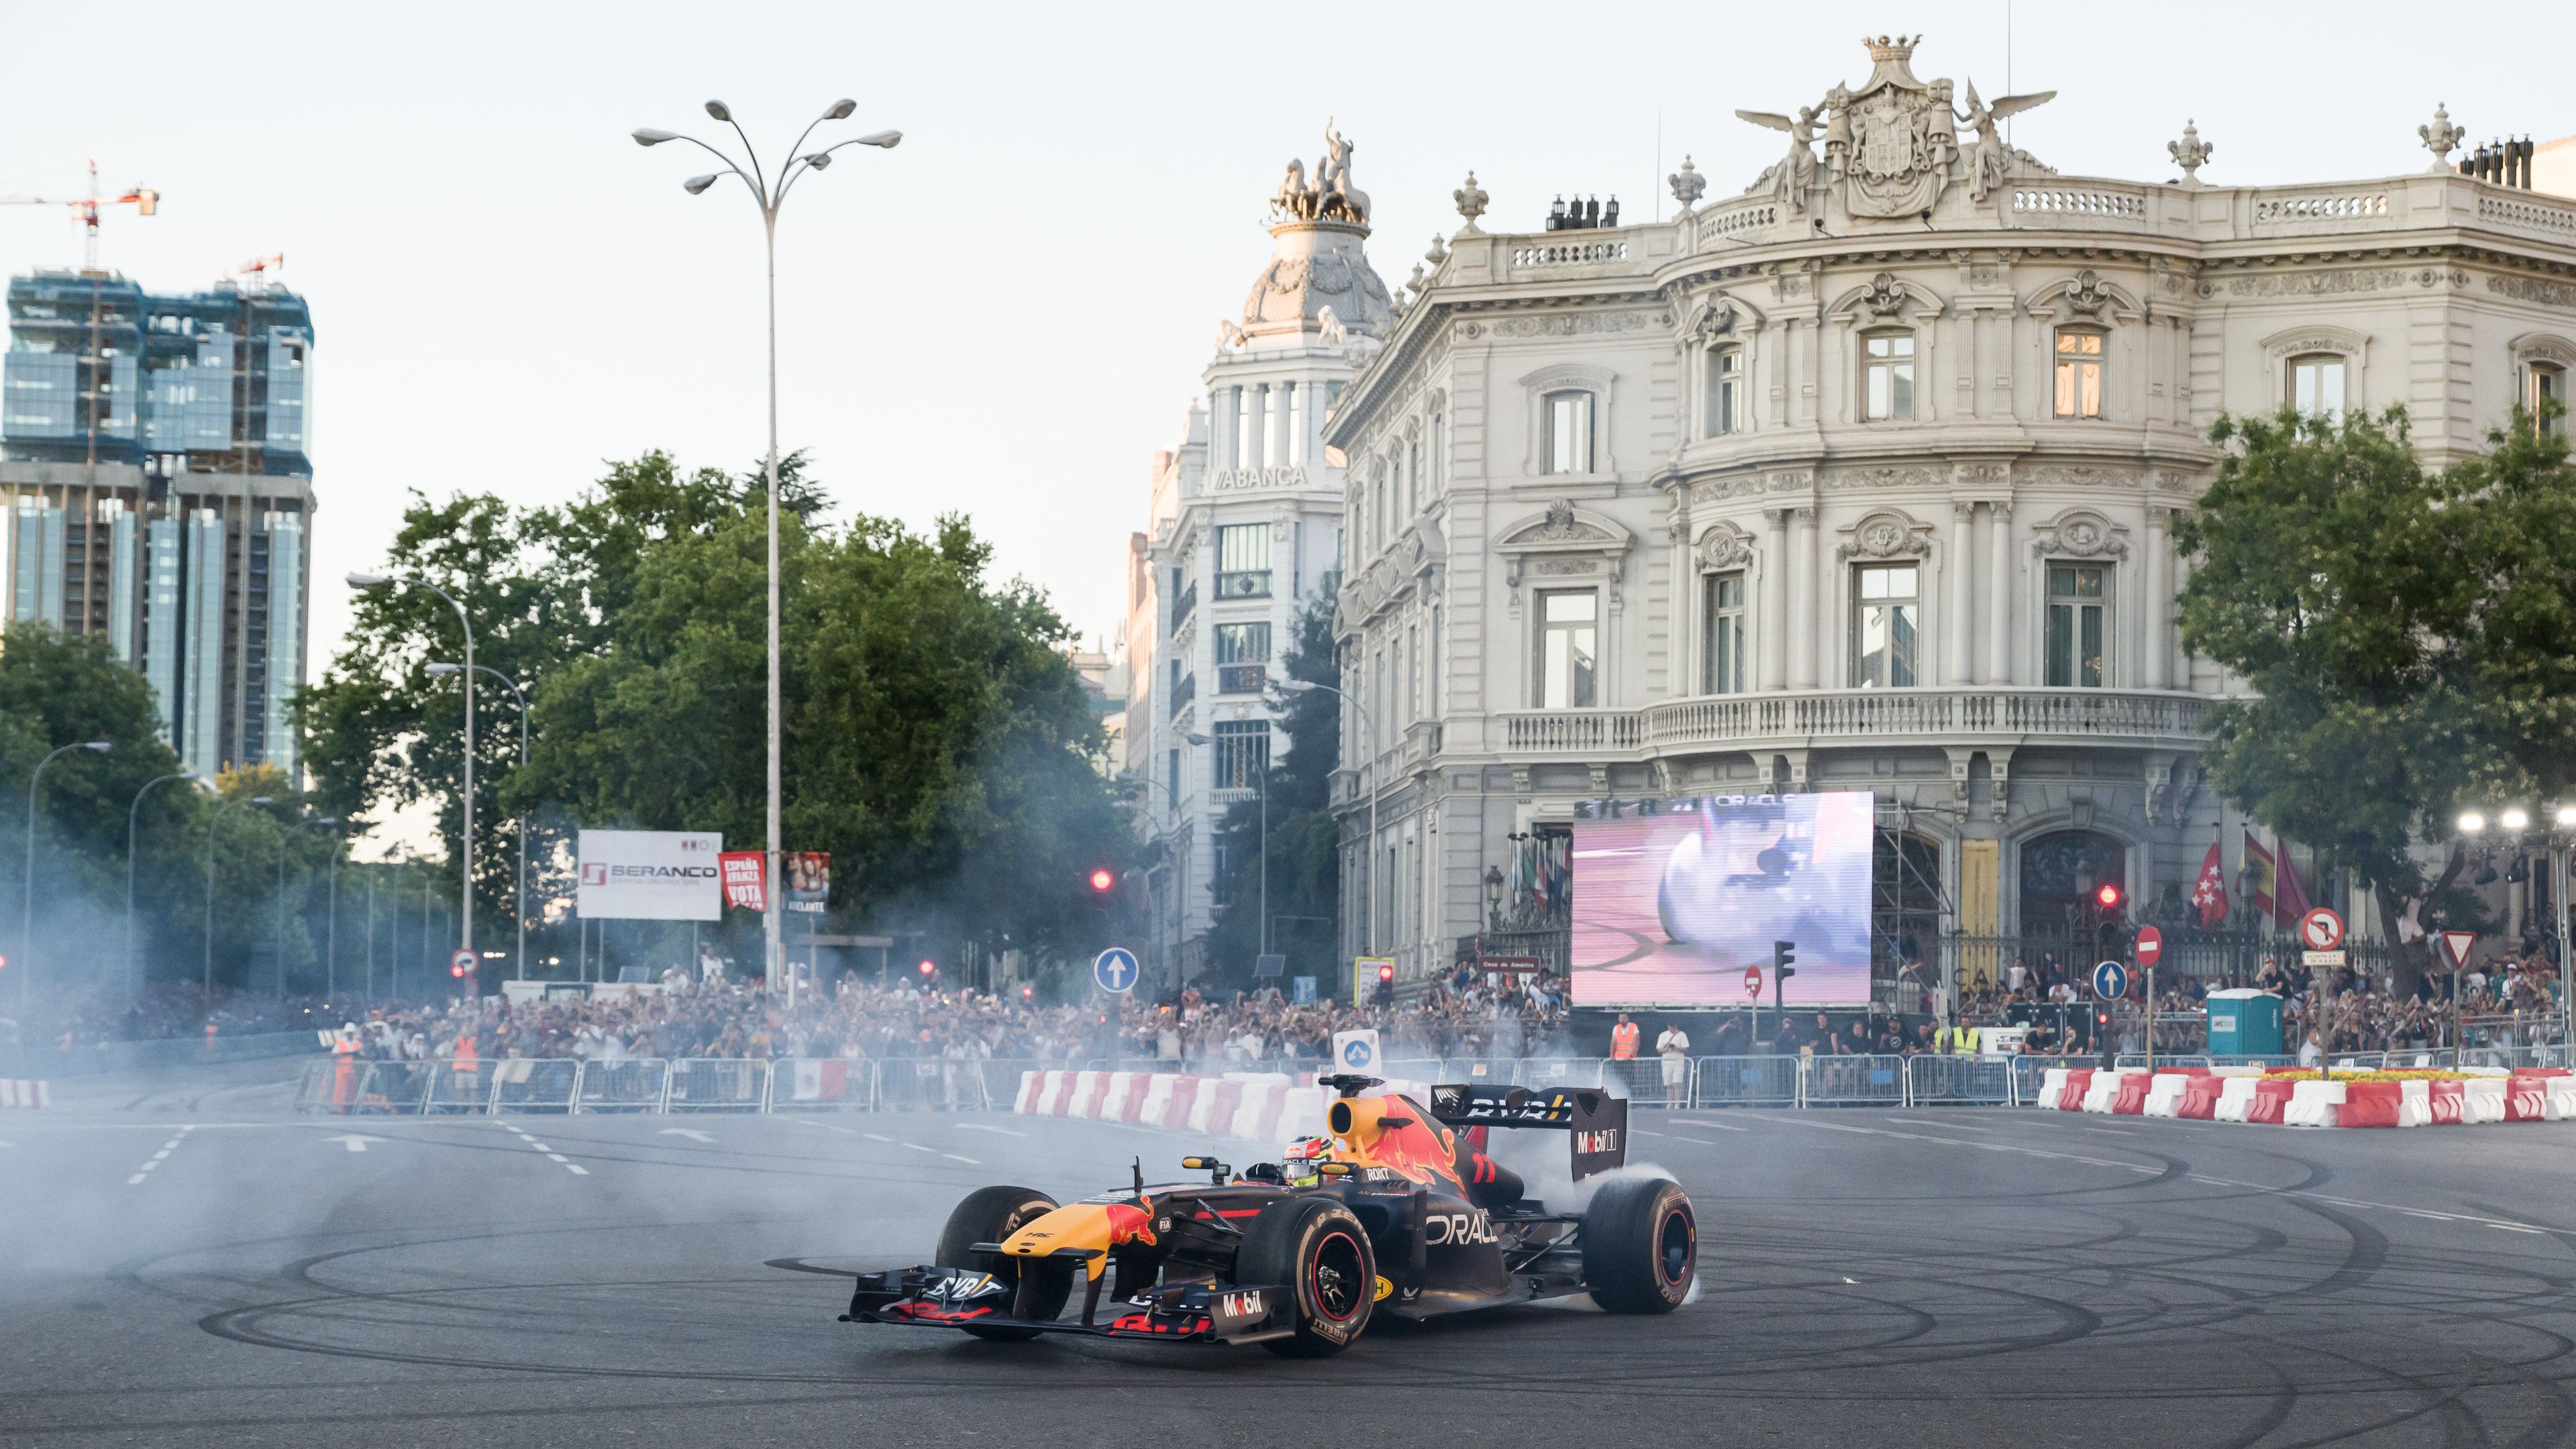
(1101, 881)
(928, 969)
(1784, 964)
(2108, 896)
(1386, 982)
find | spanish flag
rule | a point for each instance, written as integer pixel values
(2265, 876)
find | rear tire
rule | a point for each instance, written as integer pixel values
(1640, 1245)
(1316, 1247)
(991, 1215)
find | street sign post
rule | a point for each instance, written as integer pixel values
(2457, 945)
(1753, 982)
(2149, 949)
(1115, 970)
(463, 964)
(2110, 981)
(2321, 930)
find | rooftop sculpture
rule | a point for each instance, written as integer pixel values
(1894, 142)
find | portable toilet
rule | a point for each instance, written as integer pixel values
(2244, 1022)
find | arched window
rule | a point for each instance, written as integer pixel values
(1725, 391)
(2317, 385)
(1887, 376)
(2059, 874)
(2079, 372)
(1569, 432)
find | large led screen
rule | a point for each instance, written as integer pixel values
(1677, 902)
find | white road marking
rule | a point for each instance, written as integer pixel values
(872, 1137)
(962, 1127)
(575, 1168)
(2112, 1131)
(2513, 1227)
(968, 1160)
(1641, 1132)
(917, 1147)
(1944, 1126)
(689, 1132)
(155, 1160)
(357, 1140)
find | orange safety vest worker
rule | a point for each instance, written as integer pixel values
(1623, 1042)
(466, 1060)
(344, 1073)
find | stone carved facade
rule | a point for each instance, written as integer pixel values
(1734, 391)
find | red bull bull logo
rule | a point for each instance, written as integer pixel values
(1130, 1222)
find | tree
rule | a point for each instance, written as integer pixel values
(1305, 840)
(2402, 634)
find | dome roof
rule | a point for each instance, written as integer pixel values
(1318, 279)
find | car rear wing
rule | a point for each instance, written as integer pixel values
(1597, 1121)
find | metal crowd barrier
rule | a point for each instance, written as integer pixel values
(718, 1084)
(629, 1084)
(531, 1084)
(459, 1089)
(1559, 1072)
(1641, 1081)
(1978, 1080)
(1744, 1082)
(1850, 1081)
(939, 1084)
(823, 1084)
(2138, 1060)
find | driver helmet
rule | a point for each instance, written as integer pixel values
(1297, 1163)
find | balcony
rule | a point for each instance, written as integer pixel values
(1240, 678)
(2133, 718)
(1183, 693)
(1182, 604)
(1250, 584)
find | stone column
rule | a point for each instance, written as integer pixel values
(1277, 418)
(1954, 594)
(2156, 599)
(1999, 595)
(1805, 644)
(1775, 601)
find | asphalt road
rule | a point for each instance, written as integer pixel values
(187, 1265)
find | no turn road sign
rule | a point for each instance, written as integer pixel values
(2321, 930)
(2110, 981)
(1115, 970)
(463, 964)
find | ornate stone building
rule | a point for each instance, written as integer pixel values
(1245, 533)
(1866, 479)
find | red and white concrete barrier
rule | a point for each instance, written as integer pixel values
(18, 1092)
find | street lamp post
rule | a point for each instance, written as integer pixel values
(465, 836)
(1368, 926)
(133, 969)
(206, 988)
(522, 909)
(27, 914)
(769, 198)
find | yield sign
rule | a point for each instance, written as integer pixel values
(2321, 929)
(2457, 943)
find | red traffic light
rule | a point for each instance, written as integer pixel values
(1102, 880)
(456, 971)
(1386, 973)
(2109, 896)
(1028, 992)
(929, 968)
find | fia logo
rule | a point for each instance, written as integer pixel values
(1475, 1227)
(1605, 1139)
(1241, 1305)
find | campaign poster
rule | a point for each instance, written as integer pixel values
(809, 880)
(745, 879)
(1678, 902)
(649, 875)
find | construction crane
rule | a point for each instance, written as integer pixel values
(258, 267)
(143, 199)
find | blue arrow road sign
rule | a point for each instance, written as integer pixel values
(1115, 969)
(2110, 981)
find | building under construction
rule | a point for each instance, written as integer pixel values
(157, 491)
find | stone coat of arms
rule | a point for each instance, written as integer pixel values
(1893, 141)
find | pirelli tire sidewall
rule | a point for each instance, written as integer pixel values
(1316, 1247)
(1640, 1245)
(990, 1215)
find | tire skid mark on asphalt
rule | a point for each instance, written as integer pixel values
(143, 1174)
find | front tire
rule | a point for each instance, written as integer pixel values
(1640, 1245)
(991, 1215)
(1317, 1248)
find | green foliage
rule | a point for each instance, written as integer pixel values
(2401, 635)
(1304, 861)
(935, 740)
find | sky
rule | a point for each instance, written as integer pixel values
(1005, 316)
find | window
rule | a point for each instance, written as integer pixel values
(1243, 561)
(1888, 390)
(1242, 657)
(2316, 385)
(2544, 394)
(1567, 649)
(1412, 479)
(2078, 597)
(1885, 616)
(1569, 432)
(1242, 753)
(1172, 782)
(2079, 374)
(1722, 648)
(1725, 390)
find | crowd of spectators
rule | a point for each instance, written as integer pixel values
(157, 1012)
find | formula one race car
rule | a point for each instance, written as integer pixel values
(1398, 1209)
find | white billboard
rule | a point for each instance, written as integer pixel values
(650, 875)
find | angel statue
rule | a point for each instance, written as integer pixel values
(1789, 177)
(1992, 163)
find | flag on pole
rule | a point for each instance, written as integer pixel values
(2261, 860)
(2209, 892)
(2291, 895)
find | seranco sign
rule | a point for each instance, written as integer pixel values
(650, 875)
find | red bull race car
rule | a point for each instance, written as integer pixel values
(1398, 1210)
